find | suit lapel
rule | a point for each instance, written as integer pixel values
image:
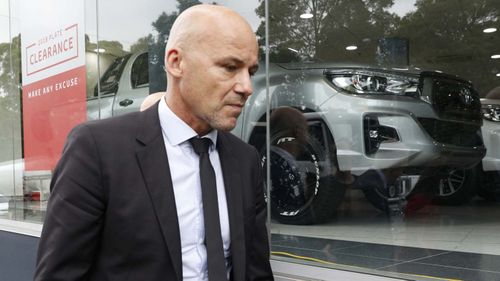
(153, 162)
(233, 185)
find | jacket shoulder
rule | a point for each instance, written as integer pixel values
(236, 143)
(115, 123)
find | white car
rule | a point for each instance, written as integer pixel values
(461, 185)
(491, 134)
(489, 175)
(11, 178)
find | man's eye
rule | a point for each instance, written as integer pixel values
(231, 68)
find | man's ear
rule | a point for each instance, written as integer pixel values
(173, 62)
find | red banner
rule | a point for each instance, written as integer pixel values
(51, 108)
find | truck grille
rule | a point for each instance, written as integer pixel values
(454, 133)
(452, 98)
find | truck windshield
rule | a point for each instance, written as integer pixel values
(110, 79)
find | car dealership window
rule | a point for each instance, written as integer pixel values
(381, 135)
(11, 164)
(384, 139)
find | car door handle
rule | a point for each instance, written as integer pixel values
(126, 102)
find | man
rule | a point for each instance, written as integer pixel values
(127, 201)
(150, 100)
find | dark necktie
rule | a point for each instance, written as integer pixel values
(216, 262)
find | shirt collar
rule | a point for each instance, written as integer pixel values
(175, 129)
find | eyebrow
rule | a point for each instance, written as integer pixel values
(239, 62)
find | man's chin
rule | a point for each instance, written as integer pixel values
(226, 126)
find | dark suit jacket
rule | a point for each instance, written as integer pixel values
(112, 214)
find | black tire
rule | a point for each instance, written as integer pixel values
(301, 194)
(455, 187)
(489, 184)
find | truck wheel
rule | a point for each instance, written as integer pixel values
(455, 187)
(489, 184)
(303, 190)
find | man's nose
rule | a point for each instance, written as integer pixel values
(244, 84)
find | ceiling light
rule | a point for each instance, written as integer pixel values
(489, 30)
(495, 56)
(293, 50)
(306, 16)
(351, 48)
(498, 74)
(100, 50)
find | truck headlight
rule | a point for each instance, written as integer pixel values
(373, 82)
(491, 112)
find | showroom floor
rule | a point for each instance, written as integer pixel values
(458, 243)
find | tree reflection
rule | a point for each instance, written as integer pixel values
(10, 101)
(442, 35)
(447, 35)
(10, 74)
(156, 45)
(333, 26)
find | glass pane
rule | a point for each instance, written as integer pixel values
(110, 52)
(384, 140)
(123, 64)
(130, 48)
(11, 163)
(383, 130)
(90, 51)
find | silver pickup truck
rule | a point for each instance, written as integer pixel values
(394, 133)
(123, 87)
(397, 132)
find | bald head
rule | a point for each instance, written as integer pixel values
(200, 23)
(210, 56)
(207, 28)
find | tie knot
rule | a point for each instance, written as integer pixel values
(200, 145)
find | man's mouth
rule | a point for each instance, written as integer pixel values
(238, 105)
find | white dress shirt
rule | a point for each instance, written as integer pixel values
(185, 173)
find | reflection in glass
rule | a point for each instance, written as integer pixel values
(11, 163)
(131, 63)
(402, 114)
(301, 180)
(411, 125)
(429, 35)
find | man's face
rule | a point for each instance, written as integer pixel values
(216, 79)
